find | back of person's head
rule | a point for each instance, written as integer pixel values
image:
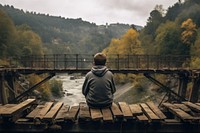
(99, 59)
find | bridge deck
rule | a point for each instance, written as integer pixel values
(121, 117)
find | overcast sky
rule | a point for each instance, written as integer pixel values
(97, 11)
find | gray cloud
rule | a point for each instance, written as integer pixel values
(98, 11)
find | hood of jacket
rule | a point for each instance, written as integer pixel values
(99, 70)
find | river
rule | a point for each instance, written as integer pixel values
(72, 89)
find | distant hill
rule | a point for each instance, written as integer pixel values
(75, 35)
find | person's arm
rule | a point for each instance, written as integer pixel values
(85, 86)
(113, 85)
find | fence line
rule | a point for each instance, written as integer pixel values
(115, 61)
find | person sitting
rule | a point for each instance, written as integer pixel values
(99, 87)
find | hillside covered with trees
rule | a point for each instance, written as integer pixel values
(64, 35)
(174, 32)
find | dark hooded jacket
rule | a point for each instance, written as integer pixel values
(99, 87)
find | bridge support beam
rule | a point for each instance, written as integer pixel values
(167, 89)
(3, 95)
(183, 82)
(194, 94)
(33, 87)
(10, 84)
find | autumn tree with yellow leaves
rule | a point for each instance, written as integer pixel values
(188, 36)
(127, 44)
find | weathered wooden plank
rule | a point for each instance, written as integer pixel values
(33, 113)
(107, 114)
(72, 114)
(192, 106)
(54, 110)
(169, 105)
(183, 107)
(84, 112)
(142, 118)
(181, 114)
(136, 109)
(18, 107)
(44, 110)
(156, 110)
(149, 113)
(197, 104)
(125, 110)
(138, 113)
(178, 112)
(96, 114)
(116, 111)
(62, 113)
(6, 107)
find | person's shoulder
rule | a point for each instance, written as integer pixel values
(109, 72)
(89, 73)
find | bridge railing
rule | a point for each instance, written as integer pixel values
(117, 61)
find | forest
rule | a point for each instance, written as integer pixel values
(175, 31)
(61, 35)
(172, 31)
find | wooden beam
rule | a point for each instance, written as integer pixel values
(156, 110)
(142, 118)
(116, 111)
(192, 106)
(5, 107)
(126, 110)
(44, 110)
(136, 109)
(62, 113)
(183, 107)
(183, 82)
(194, 95)
(149, 113)
(33, 87)
(54, 110)
(33, 114)
(19, 107)
(138, 113)
(107, 114)
(178, 112)
(72, 114)
(96, 114)
(84, 113)
(169, 105)
(3, 96)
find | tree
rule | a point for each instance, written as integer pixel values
(7, 34)
(28, 41)
(168, 40)
(130, 43)
(153, 22)
(189, 33)
(127, 44)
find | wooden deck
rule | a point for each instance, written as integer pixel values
(121, 117)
